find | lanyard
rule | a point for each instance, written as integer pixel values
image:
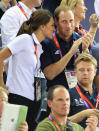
(83, 31)
(86, 101)
(57, 44)
(80, 30)
(35, 46)
(22, 10)
(54, 122)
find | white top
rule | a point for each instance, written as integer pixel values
(24, 65)
(96, 6)
(11, 22)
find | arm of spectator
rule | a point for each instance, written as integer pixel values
(51, 71)
(4, 53)
(83, 114)
(23, 126)
(94, 24)
(91, 123)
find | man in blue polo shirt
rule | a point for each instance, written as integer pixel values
(84, 96)
(57, 60)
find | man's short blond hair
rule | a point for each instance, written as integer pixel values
(61, 8)
(86, 57)
(70, 3)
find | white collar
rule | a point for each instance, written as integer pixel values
(26, 9)
(35, 39)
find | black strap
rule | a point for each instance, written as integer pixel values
(69, 126)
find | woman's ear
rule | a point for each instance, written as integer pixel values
(42, 27)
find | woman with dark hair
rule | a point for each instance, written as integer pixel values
(25, 51)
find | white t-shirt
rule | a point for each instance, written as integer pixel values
(11, 22)
(24, 65)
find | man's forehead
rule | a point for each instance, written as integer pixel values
(65, 13)
(60, 91)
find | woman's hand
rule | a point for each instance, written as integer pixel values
(23, 126)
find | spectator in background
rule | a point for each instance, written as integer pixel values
(59, 102)
(5, 4)
(25, 51)
(4, 99)
(79, 6)
(84, 96)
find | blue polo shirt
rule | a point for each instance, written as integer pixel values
(51, 55)
(77, 103)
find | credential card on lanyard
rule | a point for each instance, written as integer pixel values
(38, 89)
(97, 128)
(71, 78)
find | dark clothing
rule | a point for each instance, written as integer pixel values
(77, 103)
(33, 108)
(1, 13)
(51, 5)
(95, 53)
(51, 55)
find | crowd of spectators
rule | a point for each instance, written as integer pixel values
(49, 62)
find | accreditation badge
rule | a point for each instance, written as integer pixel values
(97, 128)
(38, 89)
(71, 78)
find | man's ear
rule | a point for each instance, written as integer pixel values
(49, 103)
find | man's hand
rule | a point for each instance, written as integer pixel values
(86, 40)
(91, 123)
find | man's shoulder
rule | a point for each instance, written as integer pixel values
(13, 11)
(44, 125)
(48, 43)
(72, 90)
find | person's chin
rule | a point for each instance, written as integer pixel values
(50, 37)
